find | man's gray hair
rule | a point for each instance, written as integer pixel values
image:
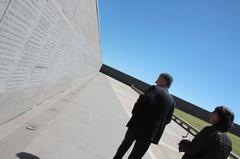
(168, 78)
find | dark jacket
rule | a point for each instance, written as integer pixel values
(152, 111)
(210, 143)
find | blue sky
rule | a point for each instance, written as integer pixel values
(198, 42)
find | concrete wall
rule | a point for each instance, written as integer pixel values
(46, 46)
(180, 103)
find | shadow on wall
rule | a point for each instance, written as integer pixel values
(24, 155)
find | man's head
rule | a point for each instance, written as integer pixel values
(164, 80)
(223, 117)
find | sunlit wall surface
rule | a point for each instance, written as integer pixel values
(46, 46)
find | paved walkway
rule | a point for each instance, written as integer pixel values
(82, 123)
(86, 122)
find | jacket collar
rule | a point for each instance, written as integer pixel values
(165, 88)
(218, 127)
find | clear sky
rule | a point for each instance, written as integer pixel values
(197, 41)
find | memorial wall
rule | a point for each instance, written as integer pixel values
(46, 46)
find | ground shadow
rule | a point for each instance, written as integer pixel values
(24, 155)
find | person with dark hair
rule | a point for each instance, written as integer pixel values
(152, 111)
(212, 142)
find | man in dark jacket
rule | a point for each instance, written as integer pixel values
(152, 111)
(212, 142)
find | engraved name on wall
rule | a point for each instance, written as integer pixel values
(38, 44)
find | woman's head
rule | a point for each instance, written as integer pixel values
(223, 117)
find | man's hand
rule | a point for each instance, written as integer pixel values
(182, 145)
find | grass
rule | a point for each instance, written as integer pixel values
(199, 124)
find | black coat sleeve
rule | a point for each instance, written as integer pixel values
(170, 114)
(197, 145)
